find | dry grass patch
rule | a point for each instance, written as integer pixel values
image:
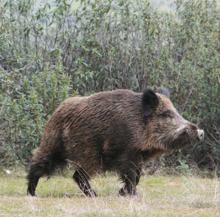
(158, 196)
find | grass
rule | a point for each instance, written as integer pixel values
(157, 196)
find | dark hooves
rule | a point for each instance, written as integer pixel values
(31, 192)
(90, 193)
(124, 192)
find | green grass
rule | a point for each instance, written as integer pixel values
(157, 196)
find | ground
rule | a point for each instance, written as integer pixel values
(158, 195)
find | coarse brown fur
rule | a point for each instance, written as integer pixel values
(113, 130)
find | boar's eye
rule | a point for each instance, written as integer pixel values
(167, 114)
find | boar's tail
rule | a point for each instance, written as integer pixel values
(43, 163)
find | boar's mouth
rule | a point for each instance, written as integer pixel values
(179, 141)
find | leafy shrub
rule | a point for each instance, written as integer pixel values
(27, 103)
(109, 44)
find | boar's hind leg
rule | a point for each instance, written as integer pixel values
(35, 172)
(43, 166)
(81, 178)
(130, 177)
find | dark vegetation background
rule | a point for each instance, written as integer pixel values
(55, 49)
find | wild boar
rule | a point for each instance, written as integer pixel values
(110, 131)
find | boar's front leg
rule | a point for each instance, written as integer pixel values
(130, 175)
(81, 178)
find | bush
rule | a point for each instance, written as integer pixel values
(104, 45)
(26, 106)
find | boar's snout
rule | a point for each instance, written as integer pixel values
(186, 135)
(195, 132)
(201, 134)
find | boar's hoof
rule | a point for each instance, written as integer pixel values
(124, 192)
(90, 193)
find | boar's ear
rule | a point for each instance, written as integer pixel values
(163, 90)
(149, 102)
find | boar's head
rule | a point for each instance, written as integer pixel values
(166, 129)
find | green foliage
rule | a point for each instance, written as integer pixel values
(183, 167)
(104, 45)
(27, 103)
